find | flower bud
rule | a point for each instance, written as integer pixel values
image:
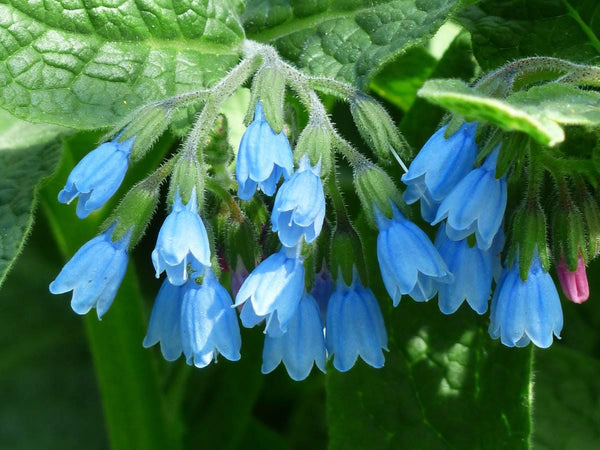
(528, 234)
(591, 216)
(269, 87)
(134, 211)
(315, 142)
(147, 126)
(573, 283)
(217, 151)
(376, 189)
(377, 128)
(347, 254)
(568, 235)
(186, 176)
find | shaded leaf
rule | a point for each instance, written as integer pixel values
(504, 30)
(345, 40)
(28, 153)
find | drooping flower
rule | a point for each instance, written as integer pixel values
(165, 321)
(524, 311)
(408, 261)
(272, 291)
(574, 284)
(475, 205)
(439, 166)
(354, 326)
(301, 345)
(299, 208)
(263, 157)
(209, 325)
(473, 272)
(94, 273)
(181, 239)
(97, 176)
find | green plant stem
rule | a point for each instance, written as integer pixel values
(134, 408)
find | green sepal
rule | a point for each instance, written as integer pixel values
(568, 235)
(376, 189)
(134, 212)
(512, 149)
(241, 244)
(147, 126)
(187, 176)
(216, 149)
(591, 216)
(268, 86)
(309, 260)
(315, 142)
(377, 128)
(528, 235)
(347, 255)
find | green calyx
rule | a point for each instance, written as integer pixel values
(377, 128)
(187, 176)
(135, 211)
(568, 235)
(528, 235)
(376, 189)
(347, 254)
(268, 87)
(148, 125)
(217, 151)
(315, 142)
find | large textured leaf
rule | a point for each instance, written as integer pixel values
(504, 30)
(342, 39)
(85, 64)
(27, 154)
(445, 385)
(538, 112)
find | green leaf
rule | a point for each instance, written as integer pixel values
(508, 30)
(459, 98)
(345, 40)
(28, 153)
(567, 393)
(445, 383)
(86, 64)
(135, 412)
(538, 112)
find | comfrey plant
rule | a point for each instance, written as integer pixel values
(276, 218)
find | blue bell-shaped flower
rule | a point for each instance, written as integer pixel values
(524, 311)
(181, 239)
(97, 176)
(94, 273)
(299, 208)
(209, 325)
(354, 326)
(263, 157)
(301, 346)
(408, 261)
(272, 291)
(475, 205)
(473, 272)
(439, 166)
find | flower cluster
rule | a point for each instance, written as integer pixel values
(470, 202)
(311, 315)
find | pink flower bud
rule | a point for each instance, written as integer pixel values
(574, 284)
